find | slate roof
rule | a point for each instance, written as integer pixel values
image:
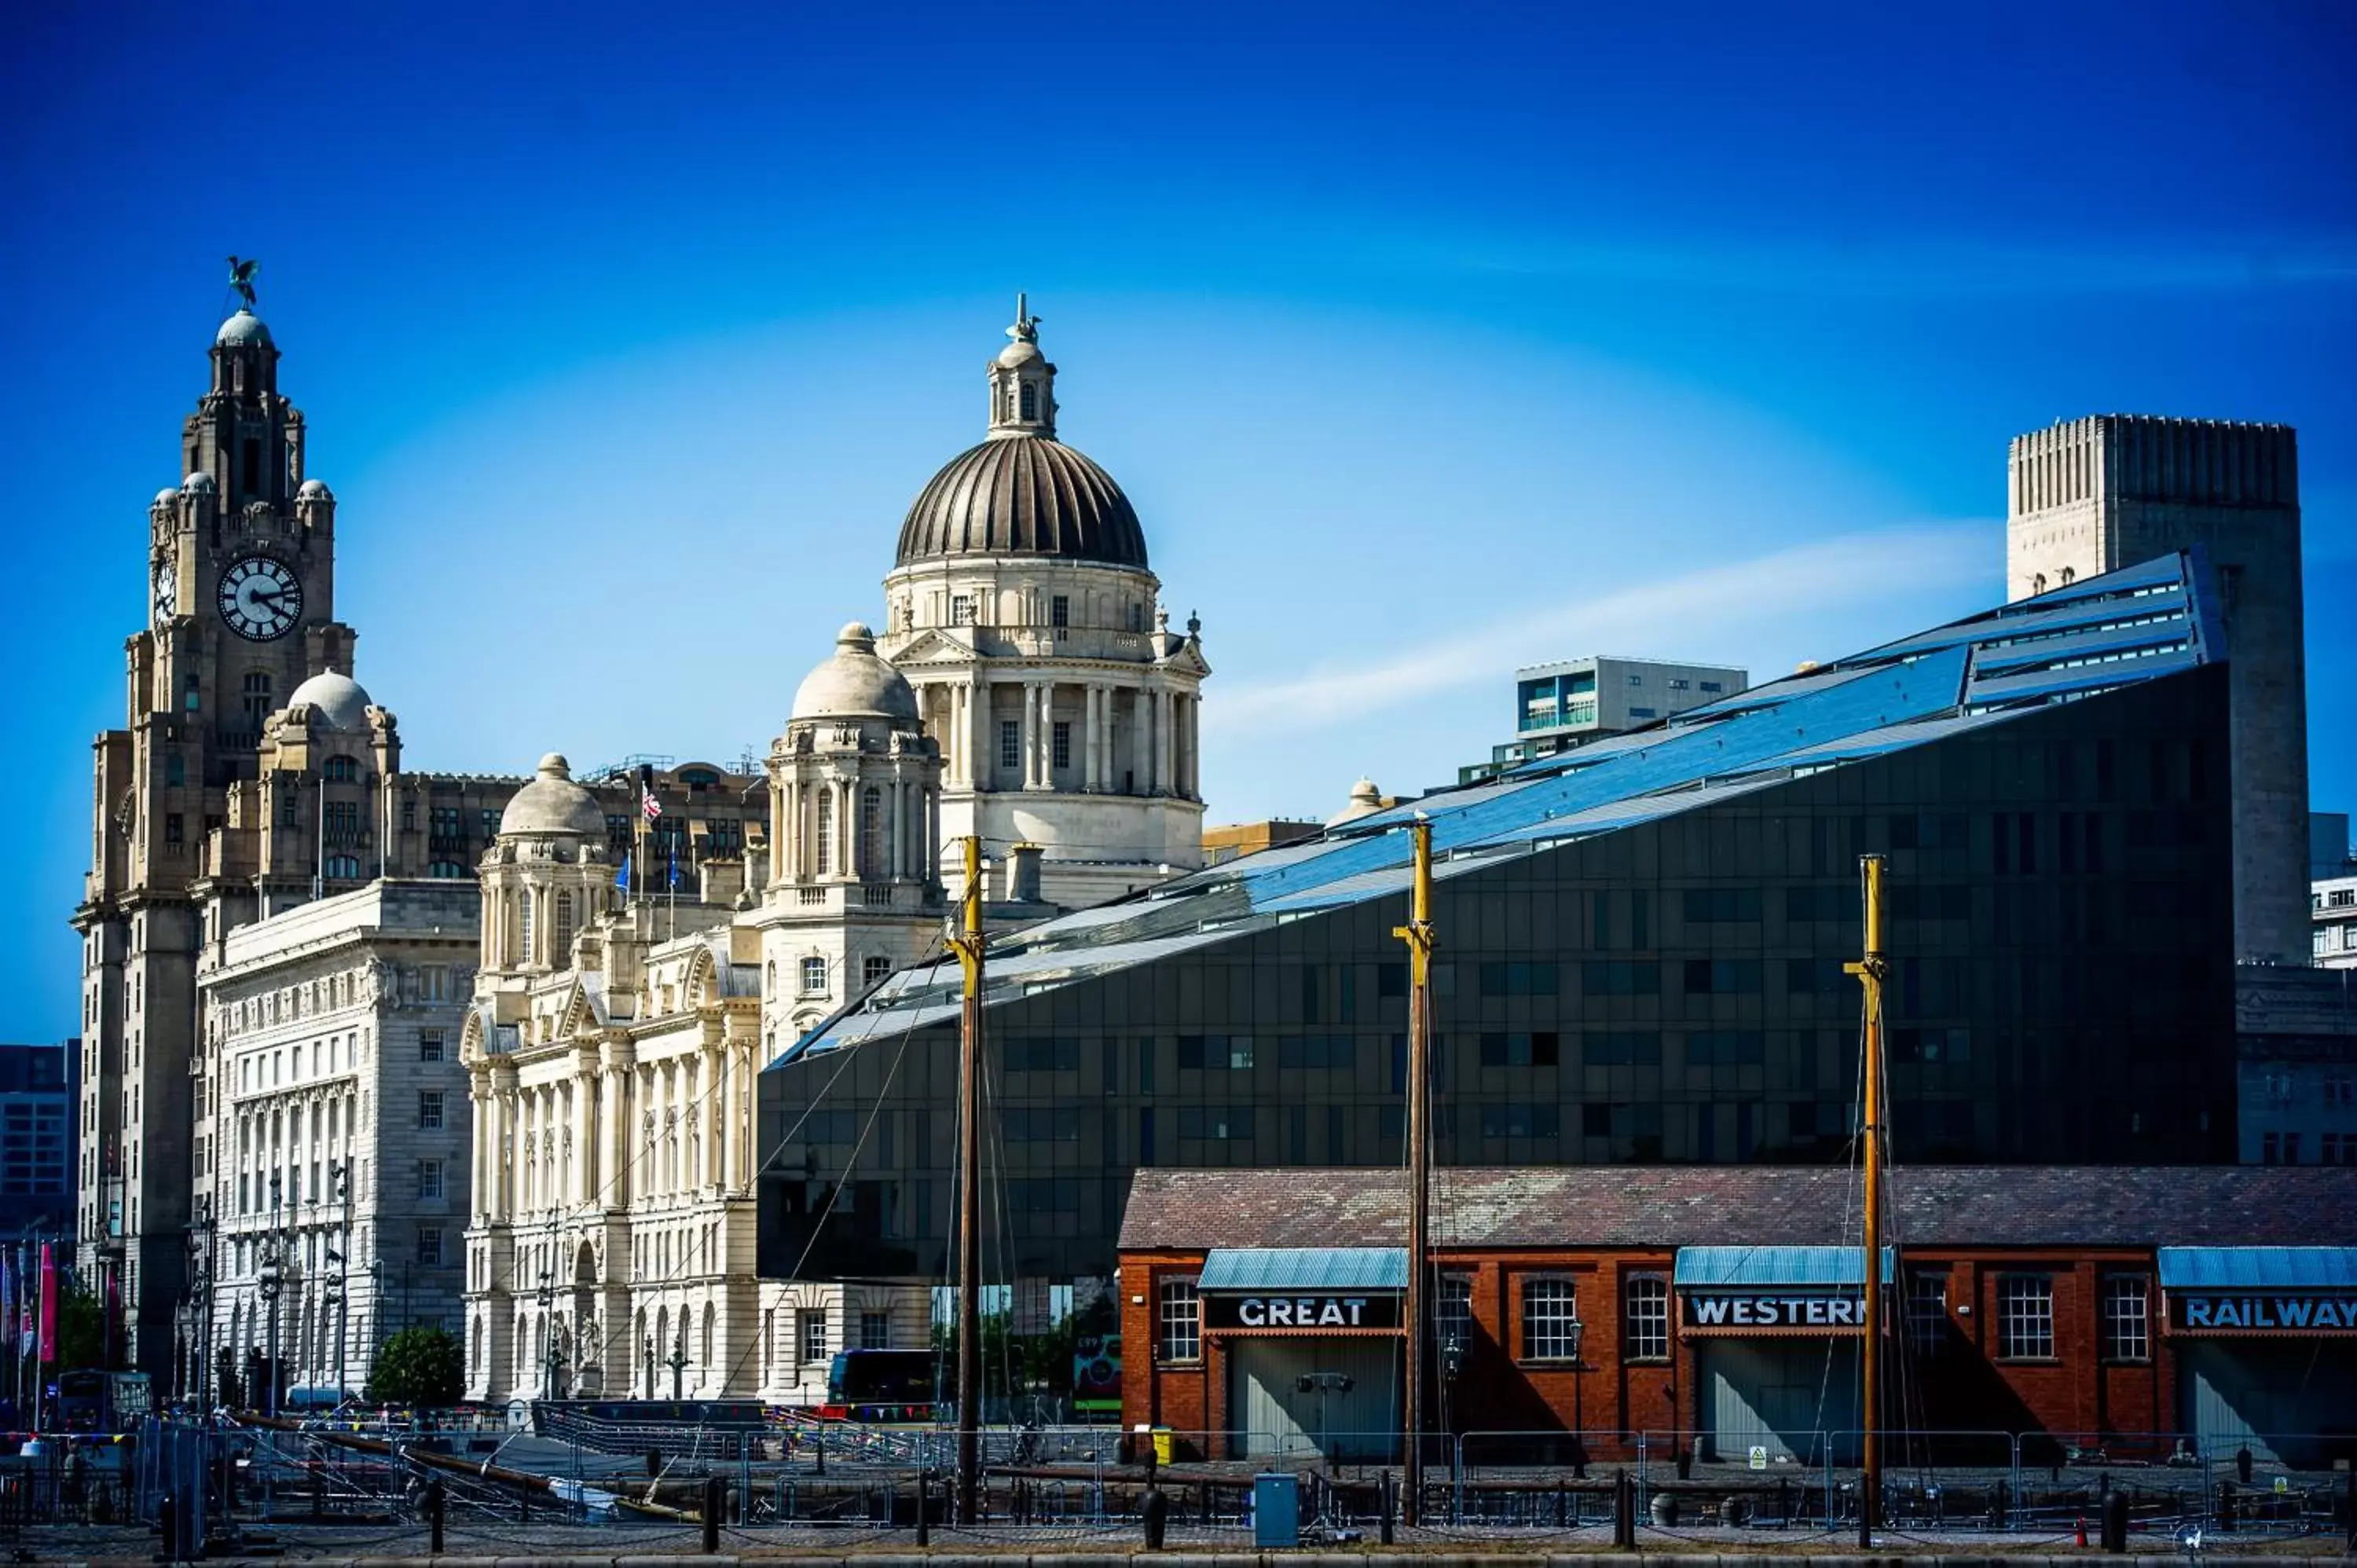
(1747, 1205)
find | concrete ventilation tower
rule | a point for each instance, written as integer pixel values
(2091, 495)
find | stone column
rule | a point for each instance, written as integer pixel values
(983, 761)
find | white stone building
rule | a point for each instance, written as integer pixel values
(1021, 609)
(339, 1126)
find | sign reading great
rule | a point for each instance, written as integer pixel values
(1369, 1309)
(2312, 1311)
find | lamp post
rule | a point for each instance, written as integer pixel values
(677, 1360)
(339, 1255)
(651, 1365)
(267, 1282)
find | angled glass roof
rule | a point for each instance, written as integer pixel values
(2118, 629)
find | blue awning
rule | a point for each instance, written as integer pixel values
(1304, 1269)
(1747, 1268)
(2259, 1268)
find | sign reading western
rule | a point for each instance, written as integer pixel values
(1728, 1312)
(2312, 1311)
(1371, 1309)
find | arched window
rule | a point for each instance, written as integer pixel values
(1030, 401)
(344, 867)
(563, 926)
(524, 934)
(871, 833)
(824, 863)
(342, 771)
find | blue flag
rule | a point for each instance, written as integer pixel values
(622, 874)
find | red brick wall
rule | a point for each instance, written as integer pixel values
(1967, 1386)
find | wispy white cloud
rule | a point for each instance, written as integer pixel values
(1814, 585)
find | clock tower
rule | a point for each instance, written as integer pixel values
(241, 576)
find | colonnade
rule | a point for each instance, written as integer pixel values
(1121, 739)
(843, 825)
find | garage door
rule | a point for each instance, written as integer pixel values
(2287, 1400)
(1269, 1413)
(1792, 1397)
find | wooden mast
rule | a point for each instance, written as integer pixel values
(1871, 972)
(967, 944)
(1417, 934)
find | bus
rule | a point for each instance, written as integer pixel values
(94, 1401)
(882, 1385)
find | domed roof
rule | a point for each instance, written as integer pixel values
(553, 803)
(199, 481)
(1366, 802)
(314, 487)
(336, 700)
(1023, 494)
(855, 683)
(243, 329)
(166, 497)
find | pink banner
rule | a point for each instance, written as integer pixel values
(48, 1304)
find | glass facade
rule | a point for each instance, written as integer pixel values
(1666, 991)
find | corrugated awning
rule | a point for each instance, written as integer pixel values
(2259, 1268)
(1744, 1268)
(1304, 1269)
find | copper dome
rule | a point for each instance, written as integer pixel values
(1023, 494)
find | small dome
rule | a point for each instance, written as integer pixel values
(1020, 353)
(553, 803)
(856, 683)
(315, 490)
(336, 700)
(202, 484)
(1366, 802)
(243, 330)
(166, 497)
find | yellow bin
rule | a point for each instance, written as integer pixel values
(1162, 1446)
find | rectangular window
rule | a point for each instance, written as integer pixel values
(1550, 1320)
(171, 827)
(429, 1110)
(1927, 1310)
(2127, 1325)
(1510, 1049)
(874, 968)
(1179, 1315)
(813, 976)
(1214, 1053)
(1622, 1047)
(429, 1178)
(1010, 744)
(1061, 738)
(875, 1331)
(1645, 1330)
(429, 1246)
(1452, 1310)
(1710, 906)
(1215, 1122)
(961, 609)
(2024, 1317)
(1059, 615)
(1520, 1121)
(809, 1333)
(429, 1045)
(1721, 976)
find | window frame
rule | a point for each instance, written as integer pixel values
(1633, 1321)
(2009, 1330)
(1526, 1339)
(2132, 1348)
(1177, 1320)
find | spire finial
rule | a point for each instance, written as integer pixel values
(1027, 325)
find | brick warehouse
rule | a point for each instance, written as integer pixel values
(1717, 1304)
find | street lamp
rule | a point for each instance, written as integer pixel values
(268, 1280)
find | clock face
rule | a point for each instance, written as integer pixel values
(167, 591)
(260, 599)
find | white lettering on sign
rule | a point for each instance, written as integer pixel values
(1302, 1312)
(1716, 1311)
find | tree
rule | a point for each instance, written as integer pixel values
(418, 1366)
(84, 1333)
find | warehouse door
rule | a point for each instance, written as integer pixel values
(1796, 1397)
(1270, 1414)
(2293, 1400)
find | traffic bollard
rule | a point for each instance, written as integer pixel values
(712, 1497)
(1390, 1502)
(434, 1515)
(1624, 1512)
(1156, 1512)
(924, 1505)
(167, 1526)
(2115, 1522)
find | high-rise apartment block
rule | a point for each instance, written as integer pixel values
(2092, 495)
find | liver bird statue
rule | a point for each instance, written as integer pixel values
(241, 278)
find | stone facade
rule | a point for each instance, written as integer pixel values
(2091, 495)
(332, 1152)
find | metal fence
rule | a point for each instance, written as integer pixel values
(332, 1487)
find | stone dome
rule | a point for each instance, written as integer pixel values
(202, 484)
(245, 329)
(855, 683)
(336, 700)
(166, 497)
(1023, 494)
(1366, 802)
(316, 489)
(553, 803)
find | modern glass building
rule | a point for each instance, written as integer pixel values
(1639, 960)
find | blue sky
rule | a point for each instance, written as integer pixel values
(1429, 342)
